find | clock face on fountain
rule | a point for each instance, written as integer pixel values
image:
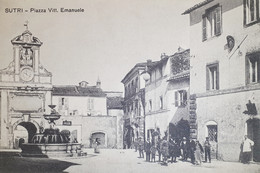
(26, 74)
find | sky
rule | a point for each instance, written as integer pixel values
(105, 41)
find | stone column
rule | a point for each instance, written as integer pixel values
(36, 56)
(16, 62)
(4, 120)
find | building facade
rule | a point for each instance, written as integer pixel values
(25, 92)
(86, 116)
(166, 94)
(134, 105)
(224, 75)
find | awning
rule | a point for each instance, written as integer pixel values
(181, 113)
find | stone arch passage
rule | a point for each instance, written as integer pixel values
(31, 128)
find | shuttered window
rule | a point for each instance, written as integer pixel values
(180, 98)
(90, 104)
(253, 68)
(204, 28)
(212, 82)
(211, 23)
(251, 11)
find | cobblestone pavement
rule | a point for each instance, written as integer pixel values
(127, 161)
(114, 161)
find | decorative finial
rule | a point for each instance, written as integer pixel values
(26, 24)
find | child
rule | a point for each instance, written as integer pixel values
(153, 152)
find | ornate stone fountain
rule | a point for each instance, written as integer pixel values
(50, 143)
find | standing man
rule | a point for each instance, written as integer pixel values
(148, 150)
(247, 149)
(207, 147)
(141, 147)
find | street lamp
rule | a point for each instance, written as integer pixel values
(146, 77)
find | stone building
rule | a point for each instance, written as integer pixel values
(166, 94)
(86, 116)
(115, 108)
(224, 75)
(25, 92)
(134, 104)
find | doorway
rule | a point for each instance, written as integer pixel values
(100, 137)
(253, 133)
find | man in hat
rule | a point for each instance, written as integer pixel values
(207, 147)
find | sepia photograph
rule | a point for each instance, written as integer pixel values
(132, 86)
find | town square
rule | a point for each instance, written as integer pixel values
(130, 86)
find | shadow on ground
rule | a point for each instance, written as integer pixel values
(11, 163)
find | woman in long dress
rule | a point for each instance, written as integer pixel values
(198, 152)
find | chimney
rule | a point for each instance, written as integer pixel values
(149, 62)
(163, 55)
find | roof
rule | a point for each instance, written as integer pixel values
(29, 40)
(72, 90)
(138, 65)
(179, 76)
(155, 64)
(115, 102)
(197, 6)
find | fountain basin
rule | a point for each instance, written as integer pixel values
(50, 150)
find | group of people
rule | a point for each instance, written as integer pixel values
(173, 149)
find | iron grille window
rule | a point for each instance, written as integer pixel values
(213, 132)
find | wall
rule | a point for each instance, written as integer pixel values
(229, 116)
(92, 124)
(231, 69)
(226, 105)
(120, 121)
(81, 104)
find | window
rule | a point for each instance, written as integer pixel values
(90, 104)
(212, 133)
(180, 98)
(161, 102)
(150, 105)
(251, 11)
(211, 23)
(62, 101)
(136, 84)
(253, 68)
(212, 77)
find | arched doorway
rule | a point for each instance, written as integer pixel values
(101, 137)
(253, 133)
(23, 132)
(211, 131)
